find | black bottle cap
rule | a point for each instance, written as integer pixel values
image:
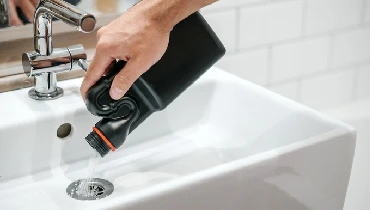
(97, 143)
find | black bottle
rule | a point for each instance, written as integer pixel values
(193, 49)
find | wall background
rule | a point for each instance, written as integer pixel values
(316, 52)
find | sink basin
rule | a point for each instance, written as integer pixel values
(224, 143)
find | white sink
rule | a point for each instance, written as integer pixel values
(223, 144)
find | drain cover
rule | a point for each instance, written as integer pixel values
(90, 189)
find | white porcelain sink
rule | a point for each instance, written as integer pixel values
(223, 144)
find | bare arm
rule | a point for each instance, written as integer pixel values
(140, 37)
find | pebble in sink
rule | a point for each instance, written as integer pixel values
(223, 144)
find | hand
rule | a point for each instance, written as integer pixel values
(140, 37)
(135, 37)
(28, 8)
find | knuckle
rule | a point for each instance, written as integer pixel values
(100, 32)
(103, 45)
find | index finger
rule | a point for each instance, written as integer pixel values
(96, 69)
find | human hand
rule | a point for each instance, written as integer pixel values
(140, 37)
(28, 8)
(134, 37)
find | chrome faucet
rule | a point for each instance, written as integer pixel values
(4, 14)
(45, 62)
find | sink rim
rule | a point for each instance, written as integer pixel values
(71, 87)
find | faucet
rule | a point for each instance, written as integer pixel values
(4, 14)
(45, 62)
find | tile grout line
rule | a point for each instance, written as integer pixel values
(237, 29)
(269, 65)
(330, 57)
(363, 12)
(299, 90)
(304, 17)
(245, 5)
(344, 68)
(355, 83)
(309, 37)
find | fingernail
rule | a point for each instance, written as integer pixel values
(116, 93)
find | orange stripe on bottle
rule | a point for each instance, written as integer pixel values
(110, 145)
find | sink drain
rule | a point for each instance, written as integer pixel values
(90, 189)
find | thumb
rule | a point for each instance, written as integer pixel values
(124, 79)
(97, 68)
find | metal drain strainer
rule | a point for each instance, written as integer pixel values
(90, 189)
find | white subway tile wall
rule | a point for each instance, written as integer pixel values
(289, 90)
(363, 82)
(328, 90)
(351, 47)
(251, 65)
(325, 15)
(299, 58)
(316, 52)
(270, 23)
(367, 11)
(222, 4)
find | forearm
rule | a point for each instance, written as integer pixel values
(170, 12)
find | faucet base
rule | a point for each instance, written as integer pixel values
(45, 96)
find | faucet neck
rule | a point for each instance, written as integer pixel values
(43, 31)
(69, 14)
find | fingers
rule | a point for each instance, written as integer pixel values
(124, 79)
(28, 9)
(97, 68)
(14, 19)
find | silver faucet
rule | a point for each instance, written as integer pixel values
(4, 14)
(45, 62)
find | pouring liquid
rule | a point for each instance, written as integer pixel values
(84, 187)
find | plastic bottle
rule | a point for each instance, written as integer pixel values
(193, 49)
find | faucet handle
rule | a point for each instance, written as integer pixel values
(77, 53)
(62, 59)
(83, 64)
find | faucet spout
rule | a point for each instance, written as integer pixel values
(69, 14)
